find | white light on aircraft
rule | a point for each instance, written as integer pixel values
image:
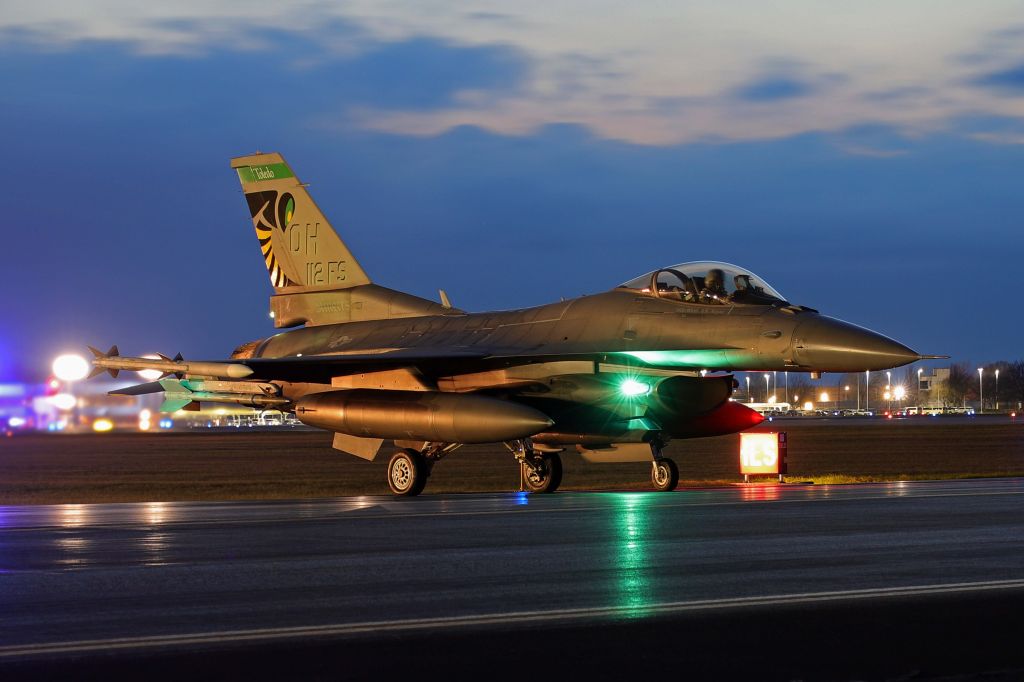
(70, 367)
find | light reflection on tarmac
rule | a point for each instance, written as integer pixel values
(72, 572)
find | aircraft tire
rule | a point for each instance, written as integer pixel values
(550, 478)
(664, 474)
(407, 473)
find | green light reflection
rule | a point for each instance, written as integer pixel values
(631, 560)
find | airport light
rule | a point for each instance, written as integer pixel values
(70, 367)
(63, 401)
(102, 425)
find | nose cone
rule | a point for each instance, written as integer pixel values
(829, 345)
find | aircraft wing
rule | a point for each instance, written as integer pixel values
(322, 368)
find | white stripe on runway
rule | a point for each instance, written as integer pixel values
(483, 620)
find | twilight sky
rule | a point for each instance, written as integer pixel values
(866, 159)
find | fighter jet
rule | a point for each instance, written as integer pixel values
(615, 375)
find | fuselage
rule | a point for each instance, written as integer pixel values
(652, 331)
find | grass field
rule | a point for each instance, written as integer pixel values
(129, 467)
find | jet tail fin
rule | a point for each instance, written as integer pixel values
(301, 249)
(316, 278)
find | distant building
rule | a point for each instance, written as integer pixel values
(932, 388)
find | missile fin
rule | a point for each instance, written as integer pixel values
(174, 404)
(100, 355)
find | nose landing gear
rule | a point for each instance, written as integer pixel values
(664, 474)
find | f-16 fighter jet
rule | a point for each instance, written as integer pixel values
(615, 375)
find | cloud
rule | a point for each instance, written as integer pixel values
(1009, 80)
(773, 89)
(423, 73)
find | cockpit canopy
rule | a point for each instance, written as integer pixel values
(707, 282)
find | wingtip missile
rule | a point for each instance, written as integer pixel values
(113, 362)
(98, 355)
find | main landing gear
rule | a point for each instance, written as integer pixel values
(410, 468)
(541, 471)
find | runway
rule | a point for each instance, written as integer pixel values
(98, 582)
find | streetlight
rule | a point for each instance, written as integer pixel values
(748, 389)
(867, 388)
(997, 390)
(847, 399)
(767, 378)
(899, 393)
(981, 392)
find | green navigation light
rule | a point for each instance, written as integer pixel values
(632, 388)
(715, 357)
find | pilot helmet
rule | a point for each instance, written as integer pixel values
(715, 279)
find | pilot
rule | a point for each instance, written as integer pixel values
(714, 287)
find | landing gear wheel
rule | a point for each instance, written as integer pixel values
(545, 475)
(407, 472)
(664, 474)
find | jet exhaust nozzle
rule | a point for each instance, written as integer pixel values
(420, 415)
